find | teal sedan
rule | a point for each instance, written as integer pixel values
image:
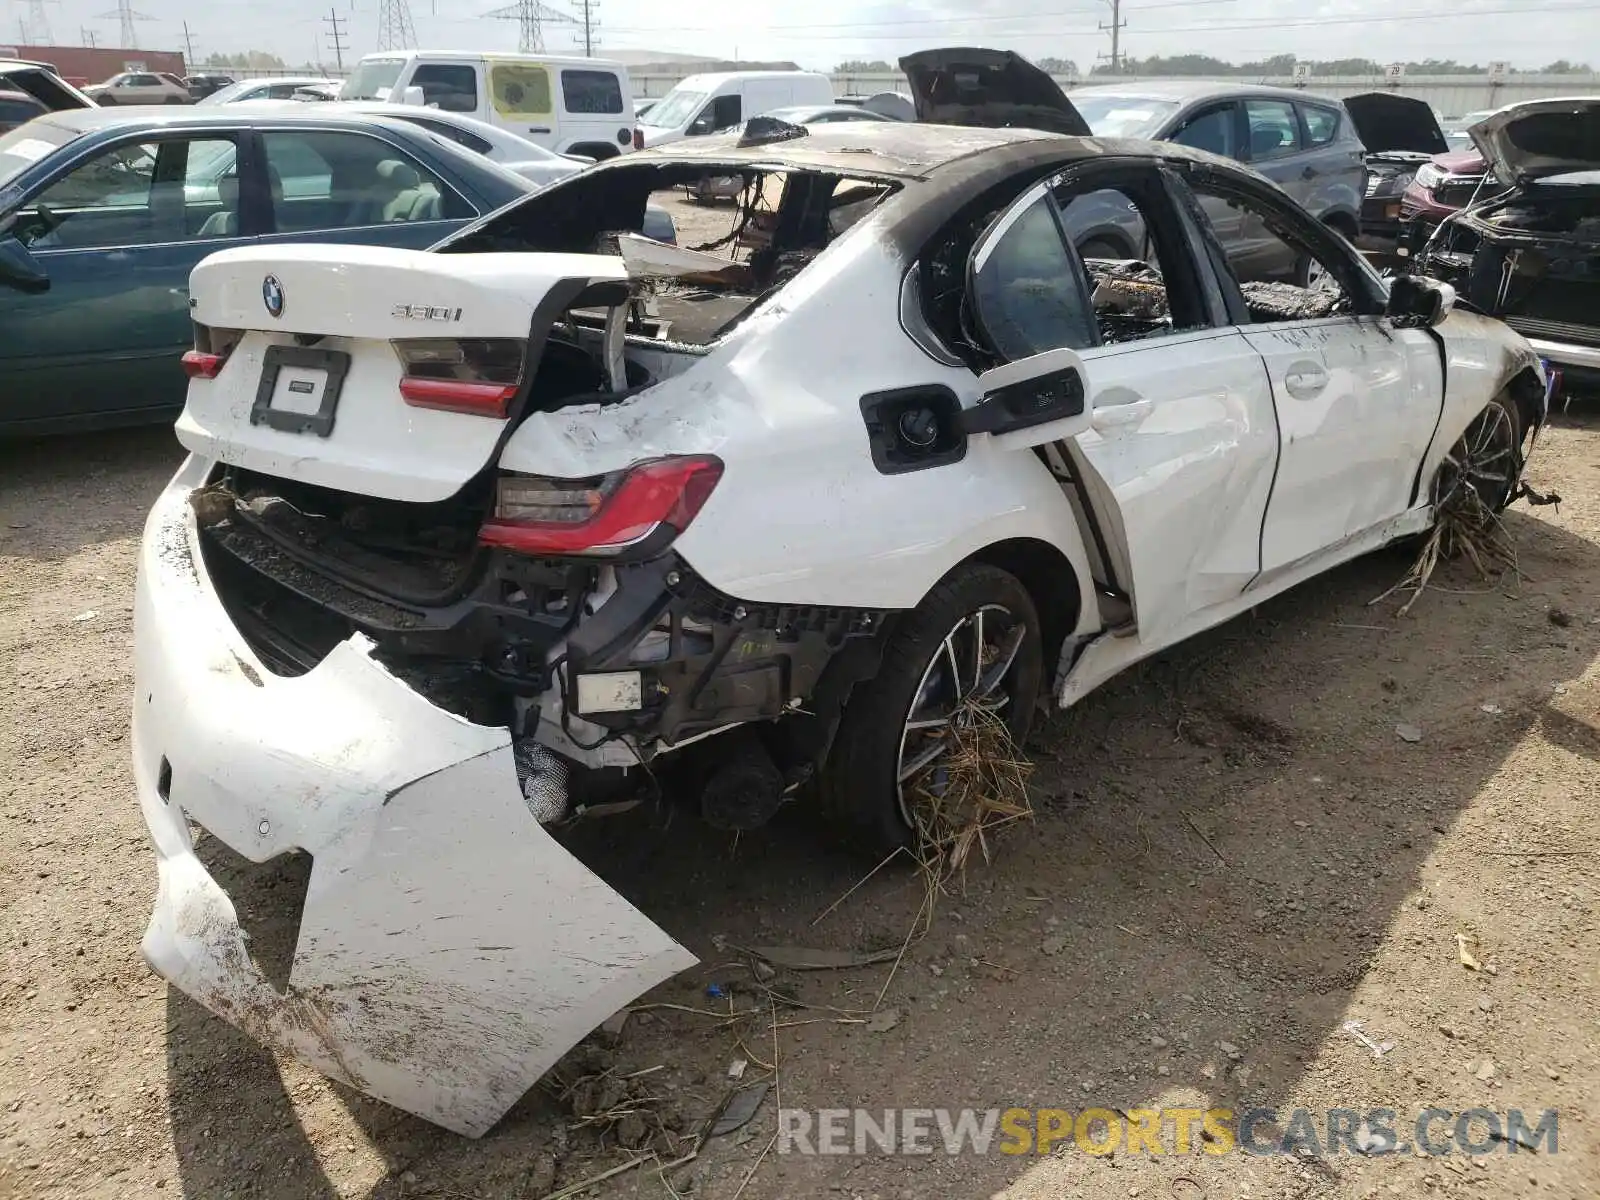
(104, 212)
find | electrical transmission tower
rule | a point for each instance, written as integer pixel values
(38, 25)
(336, 36)
(1116, 27)
(531, 17)
(127, 16)
(395, 30)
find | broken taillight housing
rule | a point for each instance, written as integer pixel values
(631, 513)
(212, 345)
(477, 376)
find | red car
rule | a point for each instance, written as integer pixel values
(1442, 185)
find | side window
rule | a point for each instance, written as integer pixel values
(1279, 276)
(459, 136)
(134, 195)
(144, 81)
(281, 91)
(327, 180)
(1211, 129)
(591, 92)
(1321, 123)
(1273, 128)
(1083, 266)
(451, 87)
(1029, 289)
(726, 112)
(520, 90)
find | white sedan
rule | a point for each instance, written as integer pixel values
(518, 155)
(471, 537)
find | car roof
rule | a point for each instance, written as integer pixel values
(718, 78)
(157, 116)
(1196, 89)
(898, 149)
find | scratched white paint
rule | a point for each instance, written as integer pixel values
(450, 950)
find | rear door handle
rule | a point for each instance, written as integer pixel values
(1305, 380)
(538, 129)
(1119, 416)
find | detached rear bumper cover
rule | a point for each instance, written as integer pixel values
(450, 950)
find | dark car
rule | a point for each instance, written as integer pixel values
(103, 214)
(43, 83)
(18, 108)
(201, 86)
(1401, 134)
(1528, 251)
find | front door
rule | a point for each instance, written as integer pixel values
(117, 236)
(1172, 445)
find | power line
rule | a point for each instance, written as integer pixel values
(530, 16)
(395, 30)
(990, 23)
(335, 25)
(126, 15)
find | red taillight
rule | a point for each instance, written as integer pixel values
(642, 508)
(459, 395)
(199, 365)
(476, 376)
(638, 139)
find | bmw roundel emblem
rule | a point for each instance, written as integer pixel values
(272, 295)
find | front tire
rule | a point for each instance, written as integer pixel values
(974, 640)
(1487, 457)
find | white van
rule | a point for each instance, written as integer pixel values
(580, 106)
(709, 103)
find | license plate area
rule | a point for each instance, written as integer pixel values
(299, 389)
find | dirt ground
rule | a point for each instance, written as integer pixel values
(1234, 854)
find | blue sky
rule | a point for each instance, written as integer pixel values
(820, 33)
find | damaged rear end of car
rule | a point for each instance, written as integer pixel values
(374, 631)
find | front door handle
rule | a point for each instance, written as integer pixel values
(1305, 381)
(1119, 416)
(1309, 173)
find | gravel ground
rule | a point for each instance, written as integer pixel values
(1234, 854)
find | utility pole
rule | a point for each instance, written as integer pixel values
(1116, 27)
(591, 25)
(335, 24)
(88, 36)
(188, 47)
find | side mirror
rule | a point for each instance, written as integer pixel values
(1416, 302)
(702, 125)
(1047, 389)
(413, 96)
(19, 269)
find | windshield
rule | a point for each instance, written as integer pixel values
(372, 79)
(675, 109)
(1124, 116)
(27, 144)
(227, 95)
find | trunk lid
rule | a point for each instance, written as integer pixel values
(1387, 123)
(309, 383)
(988, 88)
(1542, 137)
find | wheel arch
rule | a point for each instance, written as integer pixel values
(599, 151)
(1051, 580)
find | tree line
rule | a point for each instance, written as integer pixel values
(1277, 65)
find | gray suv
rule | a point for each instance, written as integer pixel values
(1306, 144)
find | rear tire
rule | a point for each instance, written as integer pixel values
(875, 744)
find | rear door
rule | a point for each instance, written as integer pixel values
(338, 185)
(594, 108)
(117, 235)
(1155, 416)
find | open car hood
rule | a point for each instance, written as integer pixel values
(990, 88)
(1541, 137)
(1386, 123)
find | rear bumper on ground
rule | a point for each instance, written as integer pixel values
(450, 950)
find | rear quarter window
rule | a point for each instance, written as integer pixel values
(1321, 124)
(591, 92)
(520, 90)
